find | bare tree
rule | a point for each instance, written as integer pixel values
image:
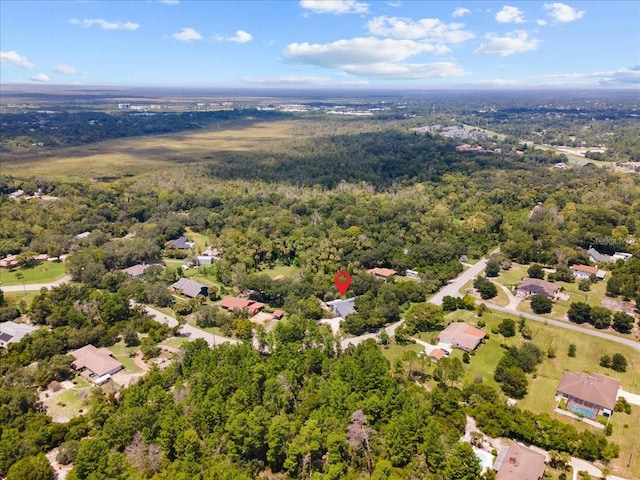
(358, 435)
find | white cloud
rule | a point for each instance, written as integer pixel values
(65, 69)
(563, 13)
(14, 58)
(622, 76)
(186, 34)
(289, 80)
(460, 12)
(41, 78)
(336, 7)
(170, 2)
(372, 57)
(510, 14)
(394, 4)
(431, 29)
(514, 42)
(542, 22)
(240, 37)
(104, 24)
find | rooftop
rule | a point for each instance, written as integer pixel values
(597, 389)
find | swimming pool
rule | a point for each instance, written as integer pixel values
(585, 412)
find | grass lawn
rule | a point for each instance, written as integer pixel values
(174, 342)
(44, 272)
(395, 352)
(287, 271)
(13, 298)
(201, 241)
(121, 352)
(512, 277)
(67, 404)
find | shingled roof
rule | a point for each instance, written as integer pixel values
(597, 389)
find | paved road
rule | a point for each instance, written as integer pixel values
(34, 286)
(454, 286)
(568, 326)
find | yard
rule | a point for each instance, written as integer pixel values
(125, 356)
(44, 272)
(68, 403)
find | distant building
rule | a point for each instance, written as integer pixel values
(535, 286)
(383, 273)
(180, 243)
(136, 271)
(588, 395)
(342, 308)
(95, 363)
(124, 106)
(520, 463)
(190, 288)
(234, 303)
(621, 256)
(437, 353)
(585, 271)
(10, 261)
(462, 336)
(597, 257)
(412, 274)
(12, 332)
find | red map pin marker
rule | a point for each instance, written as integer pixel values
(342, 281)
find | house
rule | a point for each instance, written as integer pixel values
(190, 288)
(585, 271)
(234, 303)
(437, 353)
(535, 286)
(520, 463)
(462, 336)
(136, 271)
(342, 308)
(180, 243)
(560, 166)
(17, 194)
(588, 395)
(383, 273)
(277, 315)
(596, 257)
(83, 235)
(412, 274)
(12, 332)
(621, 256)
(9, 261)
(203, 260)
(94, 362)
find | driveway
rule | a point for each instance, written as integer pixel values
(632, 398)
(454, 286)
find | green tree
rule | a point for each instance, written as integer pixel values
(492, 268)
(572, 350)
(424, 317)
(605, 361)
(579, 312)
(541, 304)
(619, 362)
(535, 271)
(31, 468)
(622, 322)
(507, 327)
(91, 458)
(514, 382)
(486, 288)
(462, 464)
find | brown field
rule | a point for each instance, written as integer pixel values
(133, 156)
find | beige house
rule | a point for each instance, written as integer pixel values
(462, 336)
(588, 395)
(520, 463)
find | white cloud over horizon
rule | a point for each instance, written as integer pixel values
(510, 14)
(65, 69)
(517, 41)
(430, 29)
(335, 7)
(187, 34)
(40, 78)
(563, 13)
(369, 56)
(104, 24)
(15, 59)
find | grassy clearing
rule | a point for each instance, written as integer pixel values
(201, 241)
(395, 352)
(124, 355)
(67, 404)
(174, 342)
(510, 278)
(287, 271)
(42, 273)
(134, 156)
(14, 298)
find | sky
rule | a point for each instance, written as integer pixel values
(321, 43)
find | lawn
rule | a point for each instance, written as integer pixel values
(14, 298)
(67, 404)
(395, 352)
(122, 354)
(201, 241)
(174, 342)
(287, 271)
(44, 272)
(512, 277)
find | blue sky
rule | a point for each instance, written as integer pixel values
(320, 43)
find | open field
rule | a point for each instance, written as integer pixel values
(42, 273)
(16, 297)
(122, 354)
(133, 156)
(285, 270)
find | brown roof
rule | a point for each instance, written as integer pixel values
(597, 389)
(536, 285)
(382, 272)
(464, 335)
(521, 463)
(585, 269)
(235, 303)
(437, 353)
(136, 270)
(278, 314)
(99, 361)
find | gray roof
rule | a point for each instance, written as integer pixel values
(190, 288)
(596, 256)
(342, 308)
(16, 330)
(180, 242)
